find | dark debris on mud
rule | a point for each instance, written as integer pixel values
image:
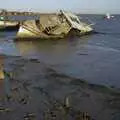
(37, 92)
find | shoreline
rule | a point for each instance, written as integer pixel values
(35, 90)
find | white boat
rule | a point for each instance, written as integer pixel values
(5, 23)
(53, 26)
(108, 16)
(8, 25)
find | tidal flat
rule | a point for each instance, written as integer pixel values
(32, 90)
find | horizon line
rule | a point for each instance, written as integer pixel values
(82, 11)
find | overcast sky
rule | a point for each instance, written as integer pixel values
(80, 6)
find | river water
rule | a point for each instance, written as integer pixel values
(94, 58)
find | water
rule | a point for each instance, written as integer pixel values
(95, 57)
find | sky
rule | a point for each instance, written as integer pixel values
(78, 6)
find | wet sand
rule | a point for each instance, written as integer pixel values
(35, 91)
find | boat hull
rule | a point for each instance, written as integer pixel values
(9, 26)
(52, 26)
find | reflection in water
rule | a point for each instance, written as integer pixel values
(49, 48)
(77, 57)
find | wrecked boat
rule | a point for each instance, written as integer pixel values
(52, 26)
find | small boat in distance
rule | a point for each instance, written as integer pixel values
(108, 16)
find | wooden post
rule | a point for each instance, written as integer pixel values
(1, 76)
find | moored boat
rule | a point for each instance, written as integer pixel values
(6, 25)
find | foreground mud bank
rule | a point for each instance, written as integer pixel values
(32, 90)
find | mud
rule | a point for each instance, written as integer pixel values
(32, 90)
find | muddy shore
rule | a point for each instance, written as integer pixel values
(32, 90)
